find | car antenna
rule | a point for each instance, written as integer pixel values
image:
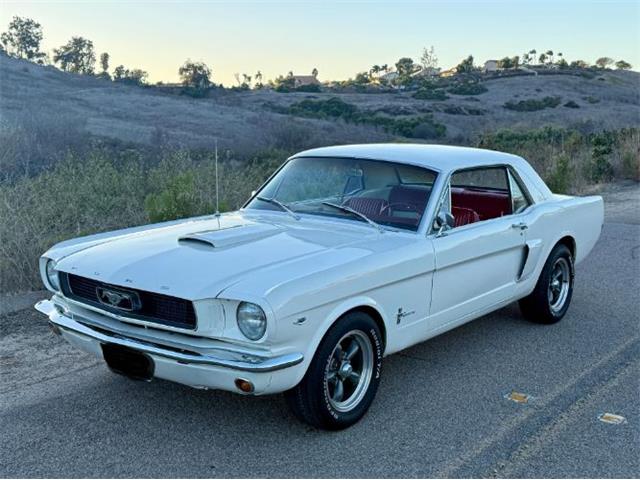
(217, 197)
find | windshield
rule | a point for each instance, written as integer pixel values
(387, 193)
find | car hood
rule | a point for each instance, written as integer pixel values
(200, 258)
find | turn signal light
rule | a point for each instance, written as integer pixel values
(244, 385)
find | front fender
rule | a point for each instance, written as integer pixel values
(322, 319)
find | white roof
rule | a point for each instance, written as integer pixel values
(442, 158)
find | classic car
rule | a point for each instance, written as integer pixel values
(345, 255)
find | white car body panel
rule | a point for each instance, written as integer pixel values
(306, 274)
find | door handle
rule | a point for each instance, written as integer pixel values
(521, 226)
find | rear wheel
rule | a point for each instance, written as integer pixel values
(343, 376)
(550, 300)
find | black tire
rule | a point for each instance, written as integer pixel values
(542, 305)
(313, 400)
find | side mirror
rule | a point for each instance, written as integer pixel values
(253, 193)
(444, 221)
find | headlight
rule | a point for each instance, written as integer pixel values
(251, 320)
(52, 275)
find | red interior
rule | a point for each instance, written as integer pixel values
(464, 216)
(468, 205)
(485, 203)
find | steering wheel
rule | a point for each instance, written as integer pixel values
(406, 207)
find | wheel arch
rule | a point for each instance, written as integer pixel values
(569, 242)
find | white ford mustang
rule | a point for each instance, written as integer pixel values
(346, 254)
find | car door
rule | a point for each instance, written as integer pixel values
(479, 260)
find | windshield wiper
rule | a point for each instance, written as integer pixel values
(350, 210)
(282, 206)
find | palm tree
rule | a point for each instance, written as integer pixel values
(533, 54)
(375, 70)
(550, 55)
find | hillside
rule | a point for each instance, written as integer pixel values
(64, 106)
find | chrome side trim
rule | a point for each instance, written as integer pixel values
(223, 358)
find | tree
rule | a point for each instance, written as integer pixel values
(314, 72)
(515, 62)
(429, 60)
(562, 64)
(196, 75)
(77, 56)
(604, 62)
(542, 58)
(104, 61)
(22, 39)
(119, 72)
(129, 77)
(533, 54)
(362, 78)
(258, 77)
(550, 55)
(405, 68)
(505, 63)
(579, 64)
(466, 65)
(526, 58)
(104, 64)
(374, 71)
(622, 65)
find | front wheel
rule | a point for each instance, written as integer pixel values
(343, 376)
(550, 300)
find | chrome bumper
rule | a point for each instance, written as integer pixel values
(222, 358)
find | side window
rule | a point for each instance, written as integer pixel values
(519, 201)
(480, 194)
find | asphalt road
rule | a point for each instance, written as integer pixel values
(440, 410)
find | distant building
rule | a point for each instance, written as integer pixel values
(449, 73)
(427, 72)
(302, 80)
(389, 77)
(491, 66)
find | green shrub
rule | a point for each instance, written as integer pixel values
(179, 198)
(571, 104)
(311, 88)
(631, 166)
(412, 127)
(532, 105)
(469, 88)
(431, 94)
(559, 180)
(331, 108)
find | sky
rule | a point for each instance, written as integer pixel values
(339, 38)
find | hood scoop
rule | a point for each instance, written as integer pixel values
(229, 237)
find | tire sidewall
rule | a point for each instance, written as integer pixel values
(561, 251)
(318, 369)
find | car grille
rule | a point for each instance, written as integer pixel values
(154, 307)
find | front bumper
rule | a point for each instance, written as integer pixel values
(216, 368)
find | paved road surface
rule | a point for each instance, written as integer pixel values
(440, 410)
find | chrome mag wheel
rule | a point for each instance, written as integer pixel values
(349, 370)
(558, 290)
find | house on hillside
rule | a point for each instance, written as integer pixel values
(426, 73)
(449, 73)
(303, 80)
(491, 66)
(388, 77)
